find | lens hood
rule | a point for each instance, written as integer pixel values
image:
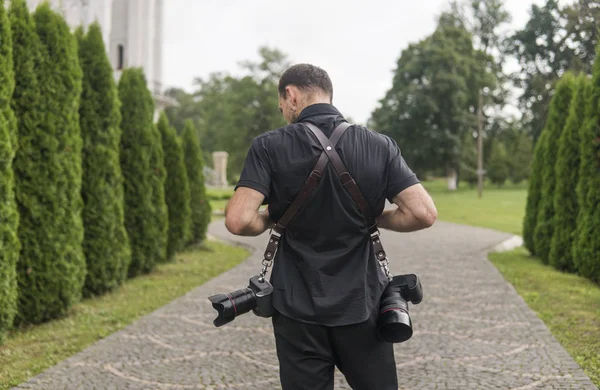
(224, 305)
(394, 326)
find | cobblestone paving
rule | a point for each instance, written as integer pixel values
(472, 331)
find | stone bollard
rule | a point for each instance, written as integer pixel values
(220, 165)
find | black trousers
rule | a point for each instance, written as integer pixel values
(308, 355)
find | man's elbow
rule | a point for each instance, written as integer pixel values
(428, 217)
(235, 225)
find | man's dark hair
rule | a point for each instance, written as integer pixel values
(306, 76)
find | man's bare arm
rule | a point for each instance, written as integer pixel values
(415, 211)
(242, 215)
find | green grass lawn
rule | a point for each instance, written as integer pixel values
(29, 351)
(499, 208)
(568, 304)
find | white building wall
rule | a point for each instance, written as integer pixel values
(157, 42)
(119, 34)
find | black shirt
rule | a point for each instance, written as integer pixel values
(325, 270)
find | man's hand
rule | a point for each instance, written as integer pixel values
(242, 215)
(415, 211)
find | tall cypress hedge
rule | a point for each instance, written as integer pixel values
(534, 193)
(9, 217)
(28, 162)
(567, 169)
(48, 166)
(194, 164)
(160, 214)
(136, 140)
(586, 249)
(106, 244)
(557, 117)
(177, 189)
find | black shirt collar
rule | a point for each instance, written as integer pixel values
(317, 109)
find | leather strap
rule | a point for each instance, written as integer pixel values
(346, 178)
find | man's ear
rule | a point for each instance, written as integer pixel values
(292, 94)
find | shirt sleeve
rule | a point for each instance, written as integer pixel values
(256, 173)
(400, 176)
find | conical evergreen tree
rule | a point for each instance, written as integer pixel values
(51, 268)
(557, 117)
(567, 169)
(28, 162)
(159, 203)
(106, 244)
(137, 108)
(534, 193)
(9, 217)
(177, 189)
(586, 249)
(194, 164)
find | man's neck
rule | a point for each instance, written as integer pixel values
(310, 100)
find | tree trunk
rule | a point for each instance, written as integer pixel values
(452, 179)
(480, 144)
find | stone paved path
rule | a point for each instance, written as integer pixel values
(472, 331)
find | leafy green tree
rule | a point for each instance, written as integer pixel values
(201, 210)
(9, 217)
(106, 244)
(138, 164)
(229, 111)
(586, 245)
(52, 268)
(177, 189)
(567, 169)
(237, 109)
(468, 160)
(554, 40)
(520, 156)
(498, 168)
(534, 194)
(559, 111)
(427, 109)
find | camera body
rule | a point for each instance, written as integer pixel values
(263, 291)
(409, 287)
(257, 297)
(394, 324)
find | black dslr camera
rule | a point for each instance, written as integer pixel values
(394, 324)
(257, 297)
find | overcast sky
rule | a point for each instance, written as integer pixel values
(356, 41)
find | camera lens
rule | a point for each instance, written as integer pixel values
(394, 324)
(232, 305)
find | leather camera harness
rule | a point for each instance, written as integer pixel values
(329, 154)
